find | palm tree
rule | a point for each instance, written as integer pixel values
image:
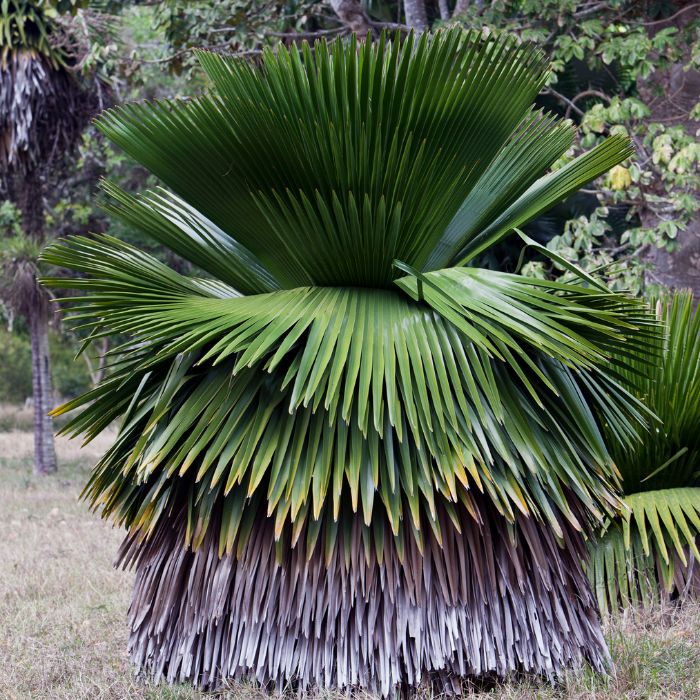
(650, 550)
(43, 111)
(20, 291)
(346, 457)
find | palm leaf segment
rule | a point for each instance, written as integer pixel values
(646, 551)
(338, 362)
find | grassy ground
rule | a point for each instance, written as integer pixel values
(22, 419)
(63, 627)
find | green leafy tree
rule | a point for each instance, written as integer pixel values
(345, 456)
(651, 550)
(43, 110)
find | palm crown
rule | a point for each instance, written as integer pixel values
(340, 370)
(43, 108)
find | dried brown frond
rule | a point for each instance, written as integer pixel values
(43, 110)
(333, 607)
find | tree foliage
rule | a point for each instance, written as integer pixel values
(620, 67)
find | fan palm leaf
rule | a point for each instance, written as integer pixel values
(650, 548)
(369, 462)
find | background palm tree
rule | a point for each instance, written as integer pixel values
(346, 458)
(21, 292)
(43, 111)
(650, 550)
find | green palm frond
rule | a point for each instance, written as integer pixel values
(622, 574)
(175, 224)
(474, 238)
(628, 565)
(405, 135)
(664, 510)
(672, 391)
(333, 385)
(661, 474)
(453, 371)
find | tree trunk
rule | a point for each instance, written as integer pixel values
(461, 7)
(444, 9)
(29, 197)
(416, 16)
(351, 12)
(44, 454)
(97, 376)
(28, 191)
(30, 201)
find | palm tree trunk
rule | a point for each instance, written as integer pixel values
(28, 194)
(351, 12)
(44, 454)
(461, 7)
(416, 15)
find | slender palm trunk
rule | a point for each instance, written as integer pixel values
(351, 12)
(44, 454)
(29, 197)
(461, 6)
(416, 15)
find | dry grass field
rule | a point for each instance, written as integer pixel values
(63, 627)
